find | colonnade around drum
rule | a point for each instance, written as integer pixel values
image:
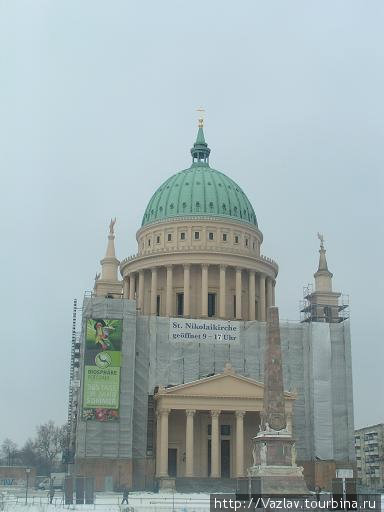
(260, 289)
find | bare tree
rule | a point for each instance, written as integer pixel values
(9, 452)
(43, 452)
(50, 443)
(29, 455)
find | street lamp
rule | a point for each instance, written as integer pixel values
(27, 471)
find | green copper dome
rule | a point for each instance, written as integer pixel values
(199, 191)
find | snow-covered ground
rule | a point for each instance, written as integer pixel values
(13, 500)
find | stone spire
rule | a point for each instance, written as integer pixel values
(274, 404)
(323, 277)
(110, 264)
(107, 284)
(322, 304)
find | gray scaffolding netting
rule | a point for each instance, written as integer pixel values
(110, 439)
(316, 364)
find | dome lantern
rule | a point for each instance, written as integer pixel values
(200, 151)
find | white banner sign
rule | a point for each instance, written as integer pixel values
(204, 331)
(344, 473)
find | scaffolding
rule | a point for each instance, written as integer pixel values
(74, 385)
(316, 312)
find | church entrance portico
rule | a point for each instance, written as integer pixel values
(204, 429)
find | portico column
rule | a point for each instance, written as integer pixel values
(132, 278)
(158, 442)
(240, 443)
(164, 413)
(204, 289)
(154, 291)
(252, 295)
(187, 292)
(169, 290)
(262, 298)
(269, 292)
(289, 422)
(215, 444)
(238, 293)
(126, 287)
(189, 443)
(273, 293)
(141, 292)
(222, 291)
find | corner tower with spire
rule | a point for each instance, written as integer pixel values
(322, 304)
(107, 283)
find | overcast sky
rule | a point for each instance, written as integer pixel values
(97, 109)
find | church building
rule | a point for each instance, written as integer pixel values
(169, 364)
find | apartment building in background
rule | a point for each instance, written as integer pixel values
(369, 444)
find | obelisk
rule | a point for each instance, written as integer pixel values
(274, 452)
(273, 415)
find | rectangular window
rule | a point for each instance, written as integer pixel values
(236, 239)
(234, 306)
(197, 235)
(211, 304)
(157, 239)
(209, 456)
(158, 305)
(225, 430)
(150, 425)
(182, 236)
(246, 242)
(169, 237)
(210, 236)
(180, 304)
(149, 242)
(224, 237)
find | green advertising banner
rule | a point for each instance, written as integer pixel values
(103, 386)
(102, 361)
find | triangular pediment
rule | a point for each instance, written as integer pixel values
(223, 384)
(226, 384)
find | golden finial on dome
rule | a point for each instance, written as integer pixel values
(201, 118)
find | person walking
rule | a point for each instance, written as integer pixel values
(125, 496)
(51, 495)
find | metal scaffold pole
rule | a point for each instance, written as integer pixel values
(74, 385)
